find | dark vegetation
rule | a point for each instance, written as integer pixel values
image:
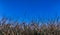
(9, 27)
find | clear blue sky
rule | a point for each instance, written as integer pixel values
(26, 9)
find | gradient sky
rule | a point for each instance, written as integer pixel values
(28, 9)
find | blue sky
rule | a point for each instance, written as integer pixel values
(28, 9)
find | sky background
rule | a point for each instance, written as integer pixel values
(29, 9)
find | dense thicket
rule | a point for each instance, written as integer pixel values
(9, 27)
